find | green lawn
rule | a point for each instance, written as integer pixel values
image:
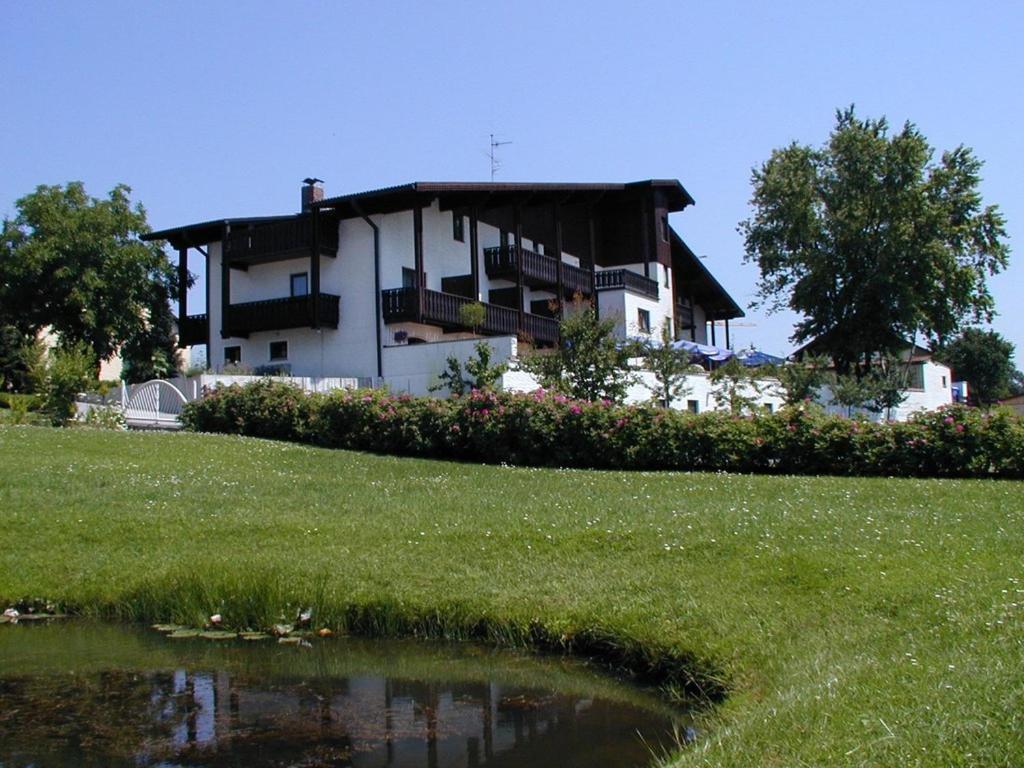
(853, 621)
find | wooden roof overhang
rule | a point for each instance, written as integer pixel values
(694, 279)
(454, 195)
(206, 232)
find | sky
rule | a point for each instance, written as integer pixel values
(215, 109)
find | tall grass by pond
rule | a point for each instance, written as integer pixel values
(851, 621)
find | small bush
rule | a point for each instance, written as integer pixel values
(549, 429)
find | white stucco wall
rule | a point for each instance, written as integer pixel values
(414, 368)
(699, 386)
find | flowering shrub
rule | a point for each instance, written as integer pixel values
(548, 429)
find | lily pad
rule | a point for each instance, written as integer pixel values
(255, 636)
(169, 627)
(218, 634)
(182, 634)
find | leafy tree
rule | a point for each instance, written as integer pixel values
(590, 363)
(670, 367)
(68, 371)
(735, 385)
(985, 360)
(871, 241)
(75, 264)
(801, 381)
(886, 385)
(482, 373)
(849, 392)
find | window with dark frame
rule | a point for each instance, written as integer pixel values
(279, 350)
(409, 278)
(300, 284)
(458, 227)
(643, 320)
(693, 406)
(232, 355)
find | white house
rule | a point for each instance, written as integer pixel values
(370, 285)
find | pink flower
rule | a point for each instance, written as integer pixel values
(484, 411)
(575, 409)
(948, 420)
(455, 428)
(959, 427)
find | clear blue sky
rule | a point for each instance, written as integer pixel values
(212, 110)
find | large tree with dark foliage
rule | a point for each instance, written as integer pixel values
(985, 360)
(871, 241)
(75, 264)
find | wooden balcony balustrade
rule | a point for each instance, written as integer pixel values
(443, 309)
(279, 314)
(611, 279)
(193, 329)
(539, 270)
(282, 240)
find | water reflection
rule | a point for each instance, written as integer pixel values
(275, 706)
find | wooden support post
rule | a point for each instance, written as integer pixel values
(556, 214)
(592, 255)
(314, 269)
(474, 252)
(711, 319)
(182, 288)
(728, 344)
(518, 227)
(417, 246)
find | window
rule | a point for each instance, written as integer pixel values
(409, 278)
(458, 227)
(643, 320)
(232, 355)
(300, 284)
(668, 276)
(279, 350)
(693, 406)
(943, 382)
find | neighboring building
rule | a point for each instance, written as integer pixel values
(370, 285)
(929, 382)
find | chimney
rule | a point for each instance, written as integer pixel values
(312, 192)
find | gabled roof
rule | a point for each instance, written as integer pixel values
(700, 283)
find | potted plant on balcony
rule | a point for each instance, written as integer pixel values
(473, 315)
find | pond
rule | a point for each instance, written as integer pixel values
(88, 694)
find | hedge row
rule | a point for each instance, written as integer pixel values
(547, 429)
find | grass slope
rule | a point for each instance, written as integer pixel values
(854, 621)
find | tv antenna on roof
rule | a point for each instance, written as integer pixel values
(495, 163)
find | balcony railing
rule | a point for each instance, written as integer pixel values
(193, 329)
(281, 240)
(539, 270)
(444, 309)
(610, 279)
(279, 314)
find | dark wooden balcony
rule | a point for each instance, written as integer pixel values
(539, 271)
(624, 279)
(280, 314)
(281, 240)
(193, 329)
(444, 310)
